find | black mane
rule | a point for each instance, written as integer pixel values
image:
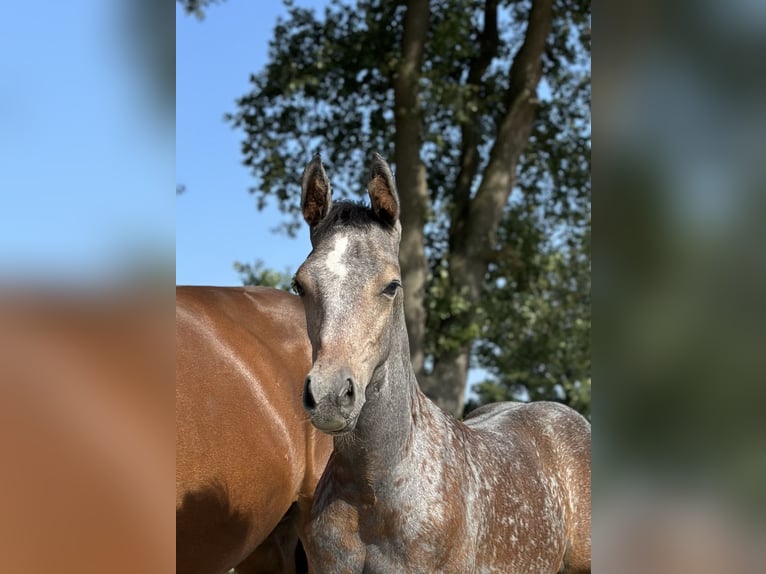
(349, 214)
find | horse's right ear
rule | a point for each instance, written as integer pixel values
(316, 194)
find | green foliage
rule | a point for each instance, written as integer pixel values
(535, 320)
(257, 274)
(328, 88)
(536, 341)
(325, 89)
(444, 305)
(197, 7)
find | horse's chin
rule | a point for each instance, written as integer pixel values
(335, 426)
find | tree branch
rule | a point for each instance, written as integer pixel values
(514, 130)
(470, 136)
(469, 256)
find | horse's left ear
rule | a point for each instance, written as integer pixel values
(382, 190)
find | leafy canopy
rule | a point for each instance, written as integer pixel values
(328, 88)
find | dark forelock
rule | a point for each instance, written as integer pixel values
(348, 214)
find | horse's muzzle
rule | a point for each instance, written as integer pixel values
(332, 401)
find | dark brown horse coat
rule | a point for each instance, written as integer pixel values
(246, 455)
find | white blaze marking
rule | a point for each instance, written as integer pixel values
(335, 258)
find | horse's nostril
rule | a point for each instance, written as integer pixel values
(346, 396)
(308, 398)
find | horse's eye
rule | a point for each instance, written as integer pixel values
(298, 288)
(391, 288)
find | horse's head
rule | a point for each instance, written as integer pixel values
(351, 290)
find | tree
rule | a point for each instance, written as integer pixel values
(197, 7)
(448, 91)
(258, 274)
(538, 345)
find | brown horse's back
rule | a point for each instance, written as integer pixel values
(244, 450)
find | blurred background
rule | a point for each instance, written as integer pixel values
(87, 137)
(679, 458)
(87, 224)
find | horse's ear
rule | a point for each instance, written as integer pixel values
(316, 194)
(382, 190)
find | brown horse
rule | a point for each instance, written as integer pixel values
(408, 488)
(247, 459)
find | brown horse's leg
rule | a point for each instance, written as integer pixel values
(301, 560)
(275, 555)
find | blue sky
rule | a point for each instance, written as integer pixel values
(217, 222)
(86, 144)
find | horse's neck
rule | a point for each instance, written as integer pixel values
(395, 418)
(385, 423)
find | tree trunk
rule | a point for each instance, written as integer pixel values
(411, 176)
(474, 236)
